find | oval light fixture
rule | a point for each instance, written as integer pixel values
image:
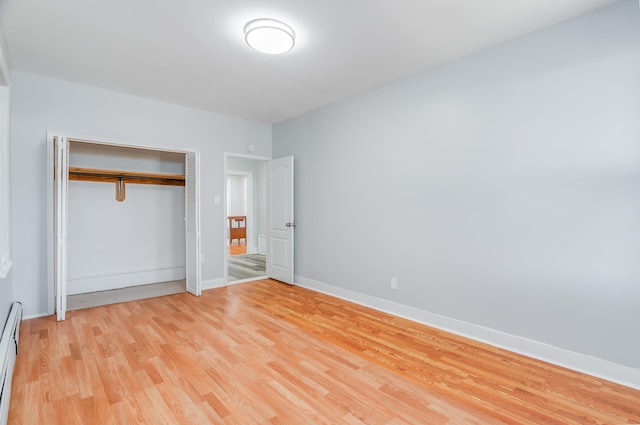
(269, 36)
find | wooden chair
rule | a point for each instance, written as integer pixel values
(238, 228)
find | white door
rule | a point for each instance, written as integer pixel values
(280, 221)
(192, 219)
(61, 184)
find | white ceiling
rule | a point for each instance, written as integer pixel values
(192, 52)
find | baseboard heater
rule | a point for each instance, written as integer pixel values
(8, 353)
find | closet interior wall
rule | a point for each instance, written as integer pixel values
(135, 241)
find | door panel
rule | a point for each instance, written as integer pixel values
(192, 219)
(61, 184)
(280, 220)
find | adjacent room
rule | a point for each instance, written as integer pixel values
(247, 214)
(304, 212)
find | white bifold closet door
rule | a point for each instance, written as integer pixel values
(192, 219)
(60, 202)
(59, 157)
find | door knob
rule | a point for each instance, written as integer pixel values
(290, 224)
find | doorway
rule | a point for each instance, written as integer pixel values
(273, 217)
(240, 212)
(246, 205)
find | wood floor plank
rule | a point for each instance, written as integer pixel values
(268, 353)
(558, 383)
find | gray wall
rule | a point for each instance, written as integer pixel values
(237, 186)
(502, 189)
(6, 286)
(6, 298)
(40, 104)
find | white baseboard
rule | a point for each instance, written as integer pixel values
(35, 316)
(604, 369)
(123, 279)
(213, 283)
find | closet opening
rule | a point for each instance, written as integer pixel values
(124, 221)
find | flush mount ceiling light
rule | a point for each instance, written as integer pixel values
(269, 36)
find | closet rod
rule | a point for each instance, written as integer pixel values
(120, 178)
(100, 175)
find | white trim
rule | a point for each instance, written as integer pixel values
(118, 142)
(51, 294)
(5, 167)
(604, 369)
(246, 156)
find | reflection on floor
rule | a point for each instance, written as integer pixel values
(247, 266)
(94, 299)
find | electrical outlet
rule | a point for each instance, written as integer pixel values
(394, 283)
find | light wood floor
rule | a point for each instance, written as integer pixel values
(268, 353)
(237, 249)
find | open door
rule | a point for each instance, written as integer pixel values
(192, 219)
(61, 187)
(280, 222)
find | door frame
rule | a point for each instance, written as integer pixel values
(51, 296)
(225, 172)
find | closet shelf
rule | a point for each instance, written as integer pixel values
(120, 178)
(95, 174)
